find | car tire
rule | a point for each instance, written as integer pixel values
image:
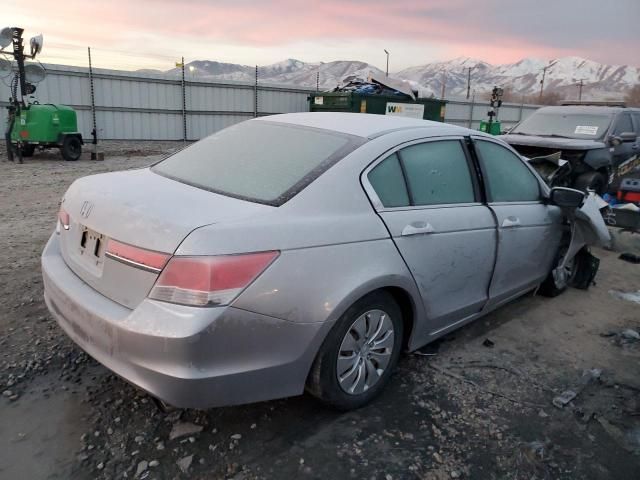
(591, 181)
(360, 343)
(557, 282)
(71, 148)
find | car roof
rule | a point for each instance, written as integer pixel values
(586, 109)
(366, 125)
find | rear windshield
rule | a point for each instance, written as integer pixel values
(569, 125)
(260, 161)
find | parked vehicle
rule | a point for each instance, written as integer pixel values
(304, 251)
(592, 146)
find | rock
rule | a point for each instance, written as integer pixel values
(7, 393)
(154, 463)
(630, 334)
(139, 439)
(182, 429)
(13, 398)
(542, 414)
(185, 463)
(454, 474)
(437, 457)
(160, 446)
(236, 436)
(142, 467)
(100, 466)
(565, 397)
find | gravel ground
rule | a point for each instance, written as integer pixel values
(477, 404)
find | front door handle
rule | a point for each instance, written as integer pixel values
(511, 222)
(417, 228)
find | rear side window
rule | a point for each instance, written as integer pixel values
(387, 180)
(259, 161)
(508, 178)
(437, 173)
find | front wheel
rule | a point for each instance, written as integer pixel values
(358, 356)
(71, 148)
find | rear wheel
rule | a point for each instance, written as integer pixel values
(358, 356)
(71, 148)
(591, 181)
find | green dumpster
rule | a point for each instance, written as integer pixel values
(425, 108)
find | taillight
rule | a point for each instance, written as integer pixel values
(63, 220)
(137, 257)
(209, 281)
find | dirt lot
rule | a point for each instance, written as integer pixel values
(476, 405)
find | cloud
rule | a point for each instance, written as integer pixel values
(495, 30)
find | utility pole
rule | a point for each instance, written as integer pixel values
(385, 51)
(444, 82)
(544, 74)
(317, 81)
(469, 81)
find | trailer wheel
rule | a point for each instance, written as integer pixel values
(71, 148)
(27, 150)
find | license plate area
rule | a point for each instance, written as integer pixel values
(91, 249)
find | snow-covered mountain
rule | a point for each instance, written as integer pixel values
(523, 77)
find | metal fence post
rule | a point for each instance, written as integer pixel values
(255, 95)
(184, 106)
(94, 132)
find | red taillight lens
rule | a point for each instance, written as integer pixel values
(209, 281)
(63, 219)
(137, 257)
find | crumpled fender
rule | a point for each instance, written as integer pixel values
(587, 227)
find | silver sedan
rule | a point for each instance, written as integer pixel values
(301, 251)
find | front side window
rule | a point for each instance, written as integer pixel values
(258, 161)
(623, 124)
(437, 173)
(507, 177)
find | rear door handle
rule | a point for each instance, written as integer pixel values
(511, 222)
(417, 228)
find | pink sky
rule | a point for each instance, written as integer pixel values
(152, 33)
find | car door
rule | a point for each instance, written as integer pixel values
(428, 198)
(529, 230)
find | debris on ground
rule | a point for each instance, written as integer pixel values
(182, 429)
(629, 296)
(488, 343)
(630, 257)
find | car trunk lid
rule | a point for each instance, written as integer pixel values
(141, 209)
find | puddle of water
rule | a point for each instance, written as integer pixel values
(629, 296)
(40, 436)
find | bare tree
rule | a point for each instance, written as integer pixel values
(633, 96)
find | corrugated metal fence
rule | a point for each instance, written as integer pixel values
(141, 106)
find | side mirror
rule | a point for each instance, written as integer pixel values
(566, 197)
(628, 137)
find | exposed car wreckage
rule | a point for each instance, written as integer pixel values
(587, 228)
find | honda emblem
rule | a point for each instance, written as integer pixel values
(86, 208)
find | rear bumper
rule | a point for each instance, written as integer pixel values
(187, 357)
